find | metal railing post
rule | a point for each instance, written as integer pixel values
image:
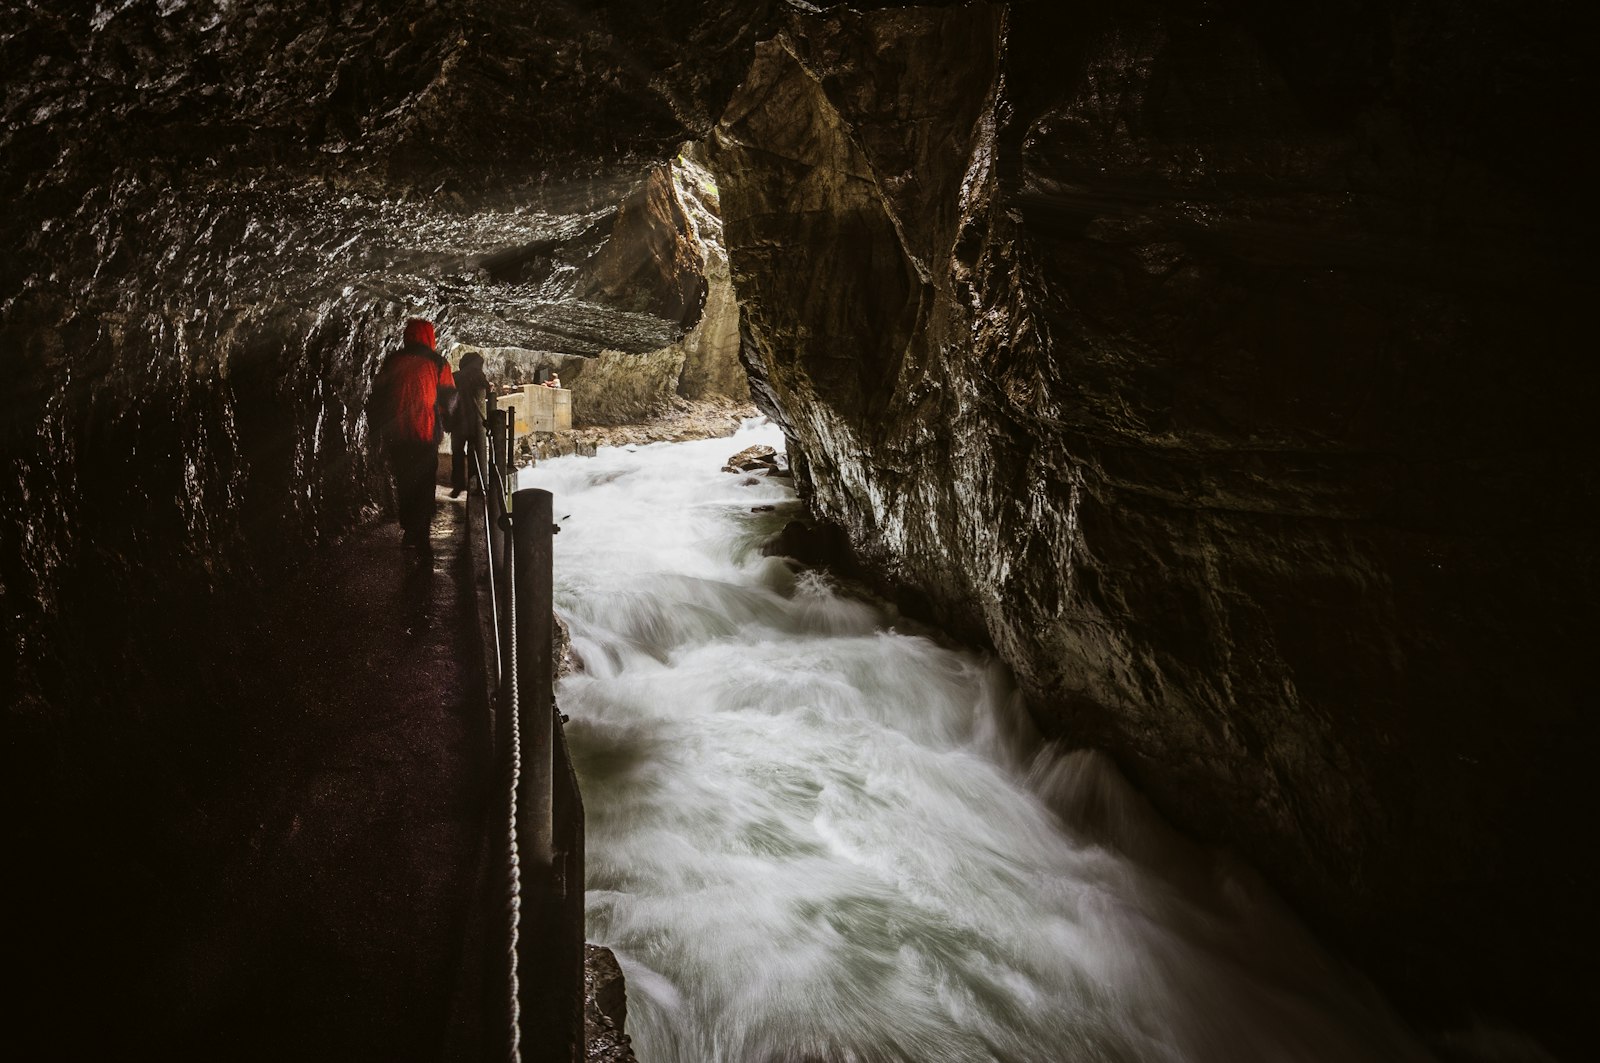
(510, 464)
(496, 426)
(531, 523)
(542, 974)
(499, 1000)
(480, 428)
(499, 545)
(539, 986)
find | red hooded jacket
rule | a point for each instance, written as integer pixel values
(412, 389)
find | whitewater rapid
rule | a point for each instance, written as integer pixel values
(817, 833)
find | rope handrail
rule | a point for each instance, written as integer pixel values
(505, 686)
(538, 805)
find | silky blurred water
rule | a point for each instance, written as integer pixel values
(815, 833)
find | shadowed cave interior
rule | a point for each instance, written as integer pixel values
(1222, 367)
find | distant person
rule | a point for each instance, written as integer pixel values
(413, 398)
(472, 390)
(552, 381)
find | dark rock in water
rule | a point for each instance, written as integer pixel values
(763, 509)
(605, 1011)
(820, 544)
(1140, 354)
(566, 662)
(752, 459)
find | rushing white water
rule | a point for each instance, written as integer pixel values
(815, 834)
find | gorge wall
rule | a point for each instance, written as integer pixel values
(660, 254)
(1219, 366)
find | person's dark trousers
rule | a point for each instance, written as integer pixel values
(462, 444)
(416, 466)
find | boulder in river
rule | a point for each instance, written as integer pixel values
(753, 459)
(605, 1008)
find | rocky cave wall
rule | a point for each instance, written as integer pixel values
(218, 216)
(658, 254)
(1219, 365)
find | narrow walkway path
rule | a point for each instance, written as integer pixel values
(335, 930)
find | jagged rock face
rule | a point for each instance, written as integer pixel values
(651, 260)
(623, 388)
(218, 218)
(664, 256)
(1217, 369)
(711, 367)
(605, 1010)
(656, 256)
(206, 368)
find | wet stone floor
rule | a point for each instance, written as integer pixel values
(338, 929)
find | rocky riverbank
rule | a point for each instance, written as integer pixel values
(681, 420)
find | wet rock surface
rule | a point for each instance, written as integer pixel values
(1218, 368)
(219, 217)
(606, 1008)
(680, 422)
(651, 260)
(657, 256)
(753, 459)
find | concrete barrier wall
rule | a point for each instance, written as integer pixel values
(539, 409)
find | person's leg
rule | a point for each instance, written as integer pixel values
(415, 465)
(404, 495)
(458, 463)
(476, 468)
(427, 478)
(399, 470)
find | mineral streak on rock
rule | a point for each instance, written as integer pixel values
(1217, 367)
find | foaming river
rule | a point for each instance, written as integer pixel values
(816, 833)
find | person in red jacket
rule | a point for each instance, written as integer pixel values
(413, 398)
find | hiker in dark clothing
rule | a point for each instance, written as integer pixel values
(413, 397)
(472, 391)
